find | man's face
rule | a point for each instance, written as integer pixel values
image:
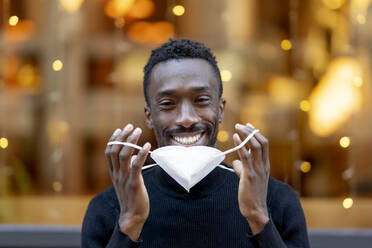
(184, 106)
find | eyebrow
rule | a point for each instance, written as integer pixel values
(171, 92)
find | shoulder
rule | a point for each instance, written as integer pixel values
(283, 203)
(105, 201)
(279, 190)
(280, 194)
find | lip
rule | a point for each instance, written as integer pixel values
(200, 141)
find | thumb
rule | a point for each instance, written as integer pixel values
(237, 165)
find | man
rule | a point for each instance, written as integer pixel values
(183, 89)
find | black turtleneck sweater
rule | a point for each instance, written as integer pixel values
(207, 216)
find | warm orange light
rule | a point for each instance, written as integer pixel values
(305, 105)
(27, 75)
(333, 4)
(305, 167)
(22, 31)
(142, 9)
(119, 22)
(335, 97)
(117, 8)
(146, 32)
(222, 136)
(286, 45)
(71, 5)
(358, 81)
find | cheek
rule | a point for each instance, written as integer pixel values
(211, 116)
(163, 119)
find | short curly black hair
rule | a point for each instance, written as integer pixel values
(179, 49)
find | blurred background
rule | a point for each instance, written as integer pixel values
(71, 73)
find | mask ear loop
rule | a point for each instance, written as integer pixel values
(133, 146)
(241, 144)
(125, 144)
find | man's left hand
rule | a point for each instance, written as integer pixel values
(253, 169)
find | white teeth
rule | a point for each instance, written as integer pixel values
(187, 140)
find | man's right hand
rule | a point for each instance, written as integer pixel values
(126, 175)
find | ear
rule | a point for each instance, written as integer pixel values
(221, 109)
(148, 117)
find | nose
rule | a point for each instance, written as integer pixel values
(187, 115)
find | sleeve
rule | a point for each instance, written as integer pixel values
(101, 229)
(286, 229)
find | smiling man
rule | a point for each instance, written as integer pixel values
(148, 208)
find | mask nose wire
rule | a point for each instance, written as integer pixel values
(241, 144)
(126, 144)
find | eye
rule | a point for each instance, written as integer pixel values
(166, 104)
(203, 100)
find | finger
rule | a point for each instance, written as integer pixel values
(140, 160)
(108, 148)
(244, 155)
(238, 166)
(115, 149)
(127, 151)
(255, 146)
(265, 146)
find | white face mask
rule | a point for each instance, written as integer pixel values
(188, 165)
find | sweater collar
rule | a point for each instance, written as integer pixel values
(207, 185)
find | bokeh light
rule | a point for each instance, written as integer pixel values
(13, 20)
(305, 166)
(118, 8)
(71, 5)
(222, 136)
(119, 22)
(286, 45)
(150, 32)
(178, 10)
(358, 81)
(142, 9)
(305, 105)
(345, 142)
(335, 98)
(333, 4)
(361, 19)
(4, 143)
(57, 186)
(57, 65)
(347, 202)
(226, 75)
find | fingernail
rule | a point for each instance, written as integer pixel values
(147, 146)
(128, 127)
(137, 131)
(239, 126)
(250, 125)
(117, 131)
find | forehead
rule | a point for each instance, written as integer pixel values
(182, 74)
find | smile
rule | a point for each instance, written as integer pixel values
(187, 140)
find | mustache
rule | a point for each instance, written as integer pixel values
(181, 129)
